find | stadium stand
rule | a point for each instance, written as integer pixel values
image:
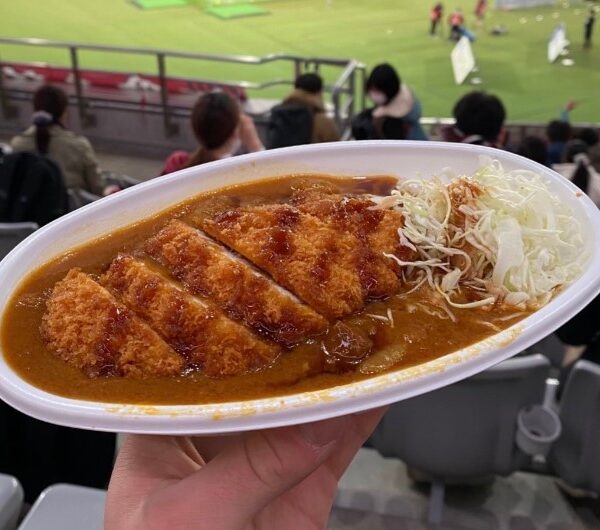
(150, 113)
(422, 431)
(111, 85)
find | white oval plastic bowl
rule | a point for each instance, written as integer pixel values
(403, 159)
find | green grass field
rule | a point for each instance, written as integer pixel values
(513, 66)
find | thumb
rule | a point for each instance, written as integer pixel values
(233, 487)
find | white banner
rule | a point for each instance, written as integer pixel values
(558, 42)
(463, 60)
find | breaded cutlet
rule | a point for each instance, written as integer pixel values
(202, 334)
(87, 327)
(355, 214)
(244, 294)
(329, 268)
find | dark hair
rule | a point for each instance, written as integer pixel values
(581, 174)
(480, 113)
(215, 117)
(588, 135)
(573, 148)
(558, 131)
(385, 79)
(309, 82)
(54, 101)
(534, 148)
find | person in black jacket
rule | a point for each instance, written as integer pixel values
(31, 189)
(583, 330)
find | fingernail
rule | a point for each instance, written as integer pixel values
(322, 433)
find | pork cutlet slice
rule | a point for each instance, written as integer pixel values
(328, 267)
(242, 292)
(202, 334)
(355, 214)
(88, 327)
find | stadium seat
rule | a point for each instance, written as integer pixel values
(466, 431)
(575, 457)
(67, 507)
(11, 234)
(11, 499)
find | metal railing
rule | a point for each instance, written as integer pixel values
(344, 91)
(517, 129)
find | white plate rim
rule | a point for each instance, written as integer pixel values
(310, 406)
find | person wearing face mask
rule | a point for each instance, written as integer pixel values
(394, 102)
(221, 129)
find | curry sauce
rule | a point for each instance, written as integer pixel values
(355, 339)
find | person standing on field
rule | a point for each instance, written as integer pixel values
(588, 28)
(437, 12)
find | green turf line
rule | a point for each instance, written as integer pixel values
(155, 4)
(227, 12)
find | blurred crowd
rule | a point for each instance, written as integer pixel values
(222, 129)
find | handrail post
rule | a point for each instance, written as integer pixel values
(363, 81)
(171, 129)
(84, 118)
(352, 91)
(337, 116)
(297, 69)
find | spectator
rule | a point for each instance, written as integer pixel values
(591, 138)
(579, 170)
(394, 101)
(534, 148)
(221, 129)
(559, 132)
(479, 120)
(588, 135)
(582, 333)
(301, 117)
(49, 136)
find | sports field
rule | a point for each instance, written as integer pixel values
(514, 65)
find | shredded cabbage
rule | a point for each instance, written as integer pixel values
(501, 234)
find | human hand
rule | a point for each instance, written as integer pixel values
(249, 135)
(282, 478)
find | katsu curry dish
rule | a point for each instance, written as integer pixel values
(291, 284)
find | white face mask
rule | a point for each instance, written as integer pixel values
(377, 97)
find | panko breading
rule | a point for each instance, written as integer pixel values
(355, 214)
(87, 327)
(329, 268)
(201, 334)
(244, 294)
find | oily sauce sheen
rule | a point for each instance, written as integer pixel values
(416, 333)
